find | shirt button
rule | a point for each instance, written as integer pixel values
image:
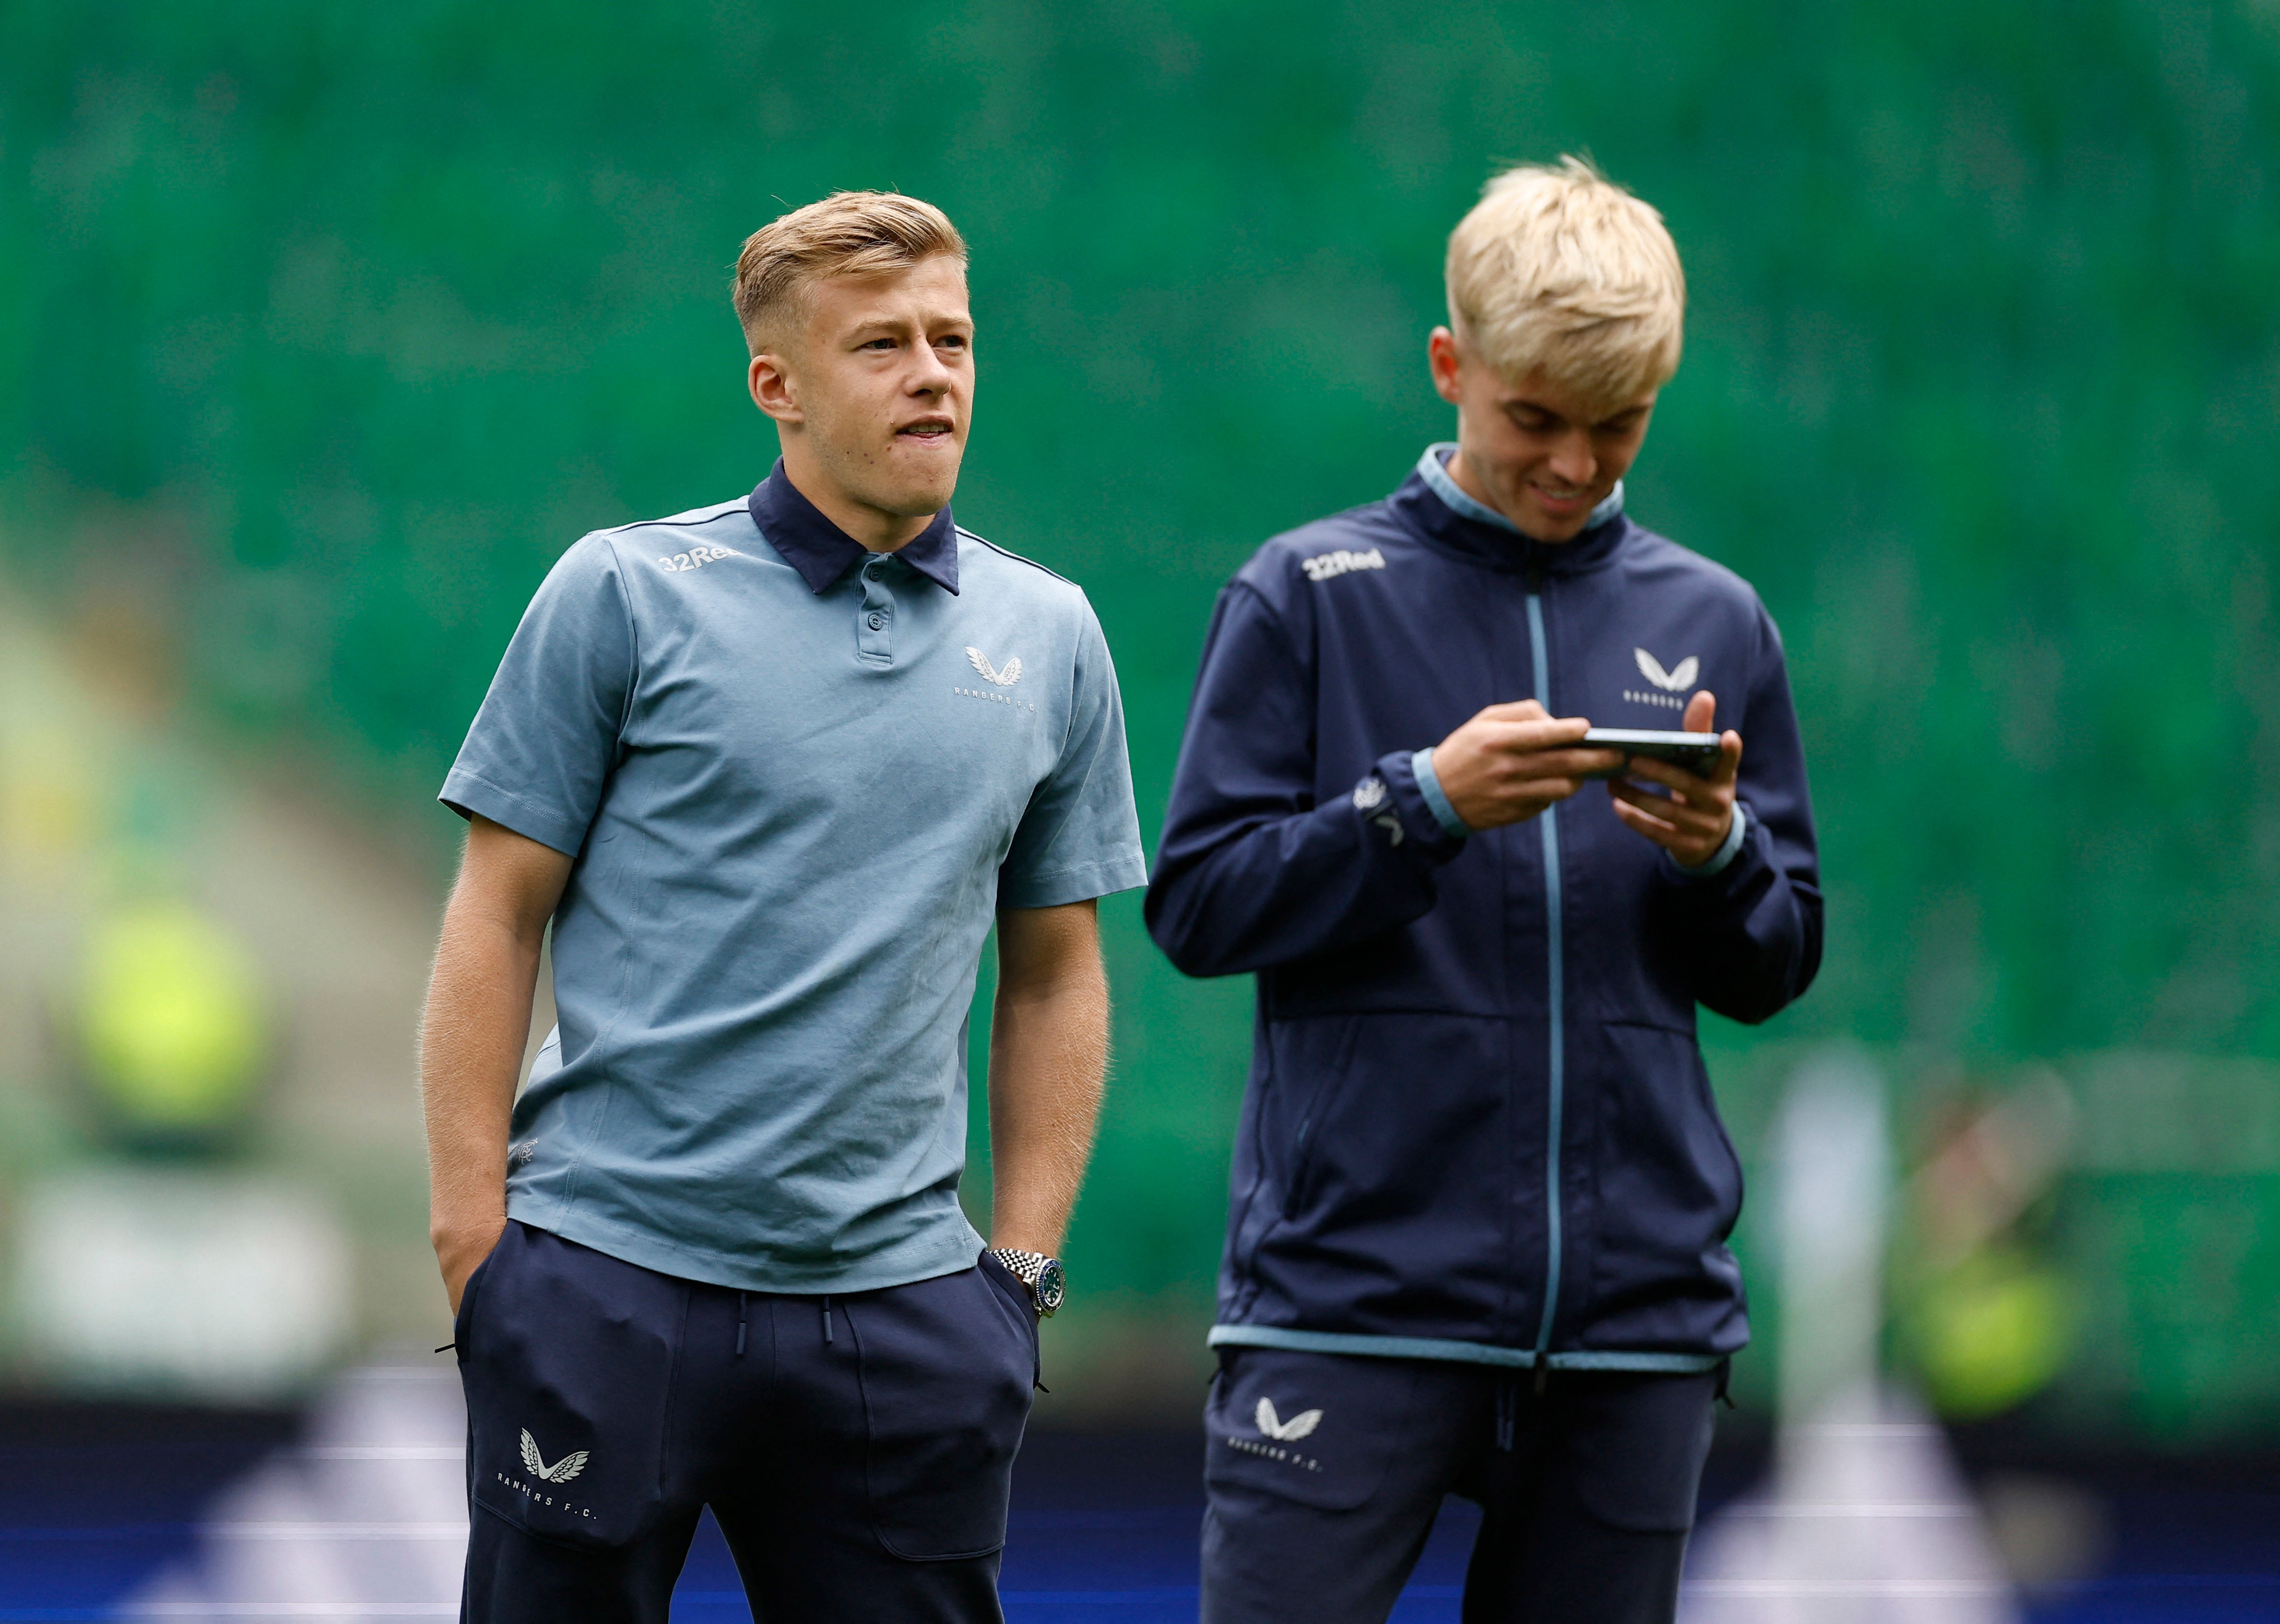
(877, 621)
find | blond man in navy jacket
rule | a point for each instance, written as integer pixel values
(1481, 1195)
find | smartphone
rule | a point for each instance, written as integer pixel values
(1697, 753)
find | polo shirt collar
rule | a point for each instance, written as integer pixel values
(822, 552)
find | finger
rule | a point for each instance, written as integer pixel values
(1701, 711)
(1581, 763)
(1668, 773)
(1671, 808)
(1643, 795)
(1690, 848)
(1646, 823)
(1729, 759)
(1654, 772)
(1539, 734)
(1697, 820)
(1521, 768)
(1514, 710)
(1518, 802)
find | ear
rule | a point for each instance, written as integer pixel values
(774, 389)
(1442, 359)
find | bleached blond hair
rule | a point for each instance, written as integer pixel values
(1559, 272)
(848, 233)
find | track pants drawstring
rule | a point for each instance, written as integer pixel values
(740, 1324)
(827, 1321)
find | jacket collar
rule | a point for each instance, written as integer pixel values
(822, 552)
(1433, 503)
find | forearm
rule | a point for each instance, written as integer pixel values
(1048, 1061)
(1260, 862)
(472, 1038)
(1297, 884)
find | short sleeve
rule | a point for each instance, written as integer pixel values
(1080, 837)
(543, 744)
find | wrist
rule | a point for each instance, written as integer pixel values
(1398, 811)
(1428, 785)
(1040, 1272)
(1721, 856)
(1043, 1239)
(460, 1231)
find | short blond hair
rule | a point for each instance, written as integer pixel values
(1560, 273)
(848, 233)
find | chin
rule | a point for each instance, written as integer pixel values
(920, 482)
(1546, 526)
(916, 498)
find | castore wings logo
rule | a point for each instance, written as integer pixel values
(990, 673)
(1677, 679)
(561, 1472)
(1297, 1427)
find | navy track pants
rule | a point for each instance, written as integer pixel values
(1324, 1472)
(857, 1451)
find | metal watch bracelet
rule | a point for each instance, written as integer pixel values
(1048, 1284)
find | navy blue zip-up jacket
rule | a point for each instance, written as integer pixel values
(1478, 1125)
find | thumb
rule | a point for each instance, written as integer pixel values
(1701, 711)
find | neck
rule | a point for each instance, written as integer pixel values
(871, 528)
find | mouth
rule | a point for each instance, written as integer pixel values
(1560, 498)
(928, 430)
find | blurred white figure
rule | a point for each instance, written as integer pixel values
(367, 1520)
(1868, 1521)
(201, 1283)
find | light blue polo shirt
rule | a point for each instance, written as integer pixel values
(797, 783)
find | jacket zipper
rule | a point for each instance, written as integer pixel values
(1548, 822)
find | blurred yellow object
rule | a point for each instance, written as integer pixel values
(1991, 1333)
(173, 1022)
(48, 793)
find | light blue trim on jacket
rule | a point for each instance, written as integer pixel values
(1428, 785)
(1555, 1004)
(1455, 1353)
(1718, 858)
(1434, 470)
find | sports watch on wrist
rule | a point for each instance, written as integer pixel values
(1044, 1276)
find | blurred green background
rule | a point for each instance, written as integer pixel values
(323, 330)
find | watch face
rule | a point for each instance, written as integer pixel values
(1051, 1286)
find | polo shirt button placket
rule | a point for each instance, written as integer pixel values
(874, 625)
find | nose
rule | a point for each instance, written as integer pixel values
(932, 375)
(1572, 459)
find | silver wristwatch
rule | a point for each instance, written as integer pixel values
(1044, 1276)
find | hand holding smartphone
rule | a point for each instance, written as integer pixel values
(1697, 753)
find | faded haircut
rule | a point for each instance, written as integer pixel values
(1560, 273)
(848, 233)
